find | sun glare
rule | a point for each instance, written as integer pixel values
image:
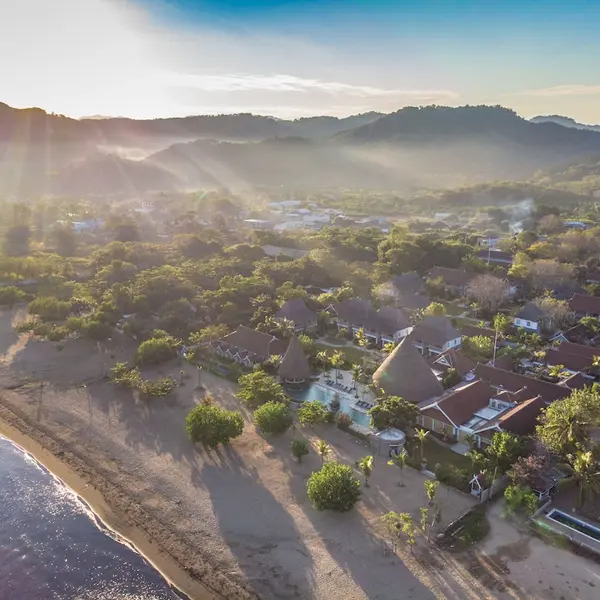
(79, 58)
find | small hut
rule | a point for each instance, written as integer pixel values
(294, 368)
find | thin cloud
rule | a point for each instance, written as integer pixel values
(240, 82)
(563, 90)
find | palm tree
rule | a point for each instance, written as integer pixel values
(557, 371)
(571, 430)
(470, 440)
(274, 360)
(585, 472)
(361, 338)
(286, 327)
(421, 435)
(358, 375)
(388, 348)
(365, 464)
(400, 461)
(323, 449)
(430, 489)
(269, 325)
(337, 360)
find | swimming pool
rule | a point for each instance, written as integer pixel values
(324, 394)
(568, 521)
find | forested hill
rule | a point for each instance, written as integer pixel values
(36, 125)
(411, 149)
(564, 121)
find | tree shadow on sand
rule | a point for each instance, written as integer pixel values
(273, 559)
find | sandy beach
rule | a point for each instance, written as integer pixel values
(235, 523)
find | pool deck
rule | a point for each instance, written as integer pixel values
(576, 536)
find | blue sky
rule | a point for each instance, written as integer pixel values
(147, 58)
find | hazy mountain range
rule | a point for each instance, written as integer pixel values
(411, 148)
(565, 121)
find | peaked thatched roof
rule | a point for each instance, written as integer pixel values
(294, 364)
(406, 373)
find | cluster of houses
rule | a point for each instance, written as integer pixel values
(488, 398)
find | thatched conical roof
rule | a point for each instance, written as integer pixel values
(406, 373)
(294, 364)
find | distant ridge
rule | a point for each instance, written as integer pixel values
(412, 148)
(564, 121)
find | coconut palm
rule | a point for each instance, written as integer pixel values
(323, 449)
(337, 360)
(286, 328)
(361, 339)
(274, 360)
(470, 440)
(400, 461)
(269, 325)
(421, 436)
(365, 464)
(388, 348)
(570, 430)
(557, 371)
(585, 473)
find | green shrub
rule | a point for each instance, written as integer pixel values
(49, 308)
(273, 417)
(159, 387)
(156, 350)
(212, 426)
(452, 476)
(333, 487)
(299, 449)
(312, 412)
(258, 387)
(10, 295)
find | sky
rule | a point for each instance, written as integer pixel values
(158, 58)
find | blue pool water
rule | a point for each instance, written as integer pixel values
(565, 519)
(325, 395)
(53, 548)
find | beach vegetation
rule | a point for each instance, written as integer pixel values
(393, 411)
(333, 487)
(161, 347)
(11, 295)
(258, 387)
(312, 412)
(273, 417)
(299, 449)
(212, 426)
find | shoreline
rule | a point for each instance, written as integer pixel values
(80, 477)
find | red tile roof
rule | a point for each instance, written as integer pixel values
(572, 362)
(514, 382)
(460, 405)
(585, 304)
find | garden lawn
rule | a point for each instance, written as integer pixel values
(352, 354)
(436, 453)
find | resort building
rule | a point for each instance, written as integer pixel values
(296, 311)
(502, 380)
(434, 335)
(388, 324)
(456, 281)
(248, 347)
(476, 409)
(585, 306)
(294, 368)
(531, 317)
(453, 359)
(406, 373)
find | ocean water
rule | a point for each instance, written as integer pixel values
(53, 548)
